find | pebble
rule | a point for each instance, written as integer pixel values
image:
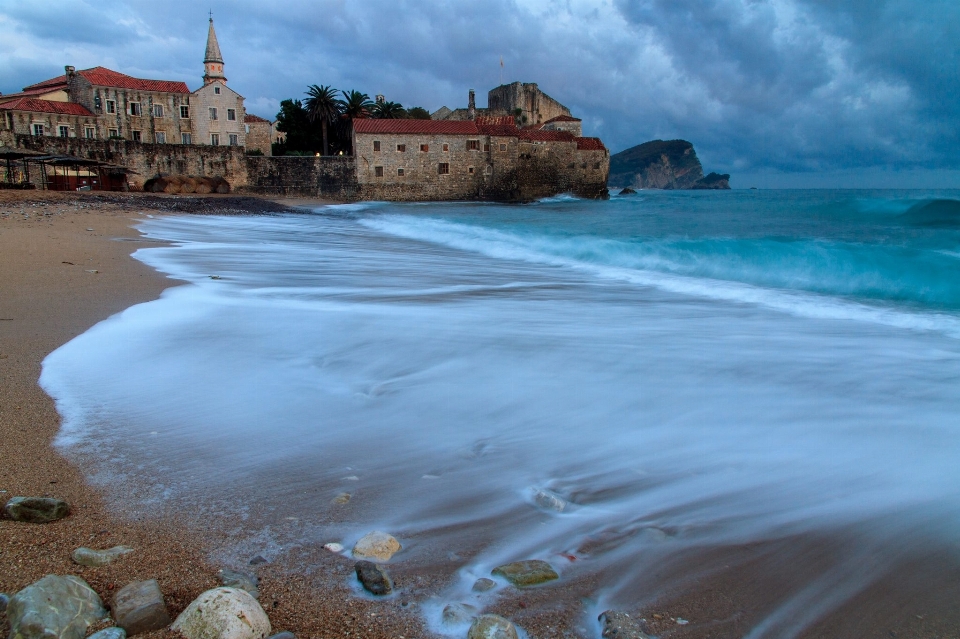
(492, 627)
(4, 600)
(96, 558)
(483, 584)
(341, 499)
(376, 545)
(139, 607)
(526, 573)
(458, 613)
(548, 500)
(619, 625)
(55, 606)
(114, 632)
(242, 580)
(374, 578)
(223, 613)
(334, 547)
(256, 561)
(36, 510)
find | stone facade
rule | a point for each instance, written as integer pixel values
(222, 115)
(258, 134)
(536, 107)
(35, 117)
(332, 176)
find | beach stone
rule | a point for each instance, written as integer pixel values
(549, 501)
(628, 191)
(526, 573)
(491, 627)
(483, 584)
(242, 580)
(457, 613)
(96, 558)
(139, 607)
(341, 499)
(223, 613)
(376, 545)
(259, 559)
(36, 510)
(55, 606)
(334, 547)
(619, 625)
(374, 578)
(286, 634)
(4, 600)
(114, 632)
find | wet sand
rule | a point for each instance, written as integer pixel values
(57, 278)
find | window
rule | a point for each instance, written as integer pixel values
(489, 169)
(231, 114)
(234, 139)
(111, 106)
(596, 166)
(134, 108)
(376, 146)
(216, 90)
(486, 148)
(470, 170)
(89, 132)
(136, 135)
(378, 171)
(444, 168)
(213, 113)
(401, 148)
(38, 129)
(424, 148)
(473, 145)
(503, 147)
(160, 137)
(246, 129)
(63, 131)
(399, 172)
(186, 138)
(215, 139)
(113, 133)
(446, 147)
(158, 110)
(184, 112)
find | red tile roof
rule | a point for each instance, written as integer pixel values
(496, 120)
(546, 136)
(563, 118)
(249, 117)
(500, 130)
(590, 144)
(44, 106)
(413, 127)
(104, 77)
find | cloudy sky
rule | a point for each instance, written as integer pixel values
(858, 93)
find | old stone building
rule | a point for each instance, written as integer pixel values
(484, 158)
(108, 104)
(523, 100)
(259, 134)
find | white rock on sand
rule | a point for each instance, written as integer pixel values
(223, 613)
(377, 545)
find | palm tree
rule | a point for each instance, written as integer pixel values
(388, 111)
(323, 105)
(356, 105)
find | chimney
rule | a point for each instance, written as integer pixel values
(381, 99)
(71, 71)
(472, 104)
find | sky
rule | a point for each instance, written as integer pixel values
(778, 93)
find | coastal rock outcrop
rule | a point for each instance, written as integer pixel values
(530, 572)
(662, 164)
(55, 606)
(223, 613)
(36, 510)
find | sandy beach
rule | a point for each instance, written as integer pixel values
(65, 264)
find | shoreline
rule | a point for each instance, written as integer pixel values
(723, 591)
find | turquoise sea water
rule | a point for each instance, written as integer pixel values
(683, 369)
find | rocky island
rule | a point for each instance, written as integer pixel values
(662, 164)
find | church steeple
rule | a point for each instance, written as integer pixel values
(212, 60)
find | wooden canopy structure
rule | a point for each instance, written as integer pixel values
(68, 173)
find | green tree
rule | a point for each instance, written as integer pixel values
(324, 107)
(418, 113)
(356, 105)
(388, 111)
(294, 120)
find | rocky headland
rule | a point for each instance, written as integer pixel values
(662, 164)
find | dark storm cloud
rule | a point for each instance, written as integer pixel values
(796, 86)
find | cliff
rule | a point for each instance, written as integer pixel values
(659, 164)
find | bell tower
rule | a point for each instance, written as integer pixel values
(212, 60)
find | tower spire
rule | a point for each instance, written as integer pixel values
(212, 59)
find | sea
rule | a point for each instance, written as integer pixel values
(598, 384)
